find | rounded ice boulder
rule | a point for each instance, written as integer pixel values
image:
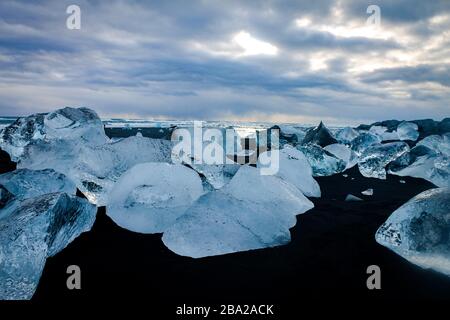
(149, 197)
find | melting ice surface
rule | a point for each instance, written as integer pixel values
(253, 211)
(149, 197)
(419, 230)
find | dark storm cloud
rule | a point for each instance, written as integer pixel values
(179, 59)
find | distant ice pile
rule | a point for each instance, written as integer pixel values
(419, 230)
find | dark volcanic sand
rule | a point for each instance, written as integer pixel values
(331, 247)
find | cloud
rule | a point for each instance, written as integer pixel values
(296, 61)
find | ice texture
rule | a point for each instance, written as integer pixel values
(419, 230)
(323, 163)
(407, 131)
(375, 158)
(25, 183)
(295, 169)
(344, 153)
(363, 141)
(346, 135)
(252, 211)
(149, 197)
(68, 124)
(94, 169)
(38, 228)
(439, 144)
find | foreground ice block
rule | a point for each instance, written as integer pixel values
(439, 144)
(363, 141)
(38, 228)
(94, 170)
(375, 158)
(323, 163)
(68, 123)
(419, 231)
(293, 167)
(253, 211)
(149, 197)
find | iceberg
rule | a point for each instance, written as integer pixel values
(67, 124)
(375, 158)
(38, 228)
(149, 197)
(253, 211)
(295, 169)
(419, 230)
(94, 169)
(322, 162)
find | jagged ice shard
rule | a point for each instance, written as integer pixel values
(419, 231)
(149, 197)
(252, 211)
(38, 228)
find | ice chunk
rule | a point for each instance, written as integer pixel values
(419, 230)
(439, 144)
(351, 197)
(149, 197)
(346, 135)
(322, 162)
(253, 211)
(407, 131)
(363, 141)
(25, 183)
(67, 123)
(38, 228)
(320, 135)
(368, 192)
(435, 169)
(374, 159)
(294, 168)
(344, 153)
(94, 170)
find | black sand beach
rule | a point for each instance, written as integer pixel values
(331, 247)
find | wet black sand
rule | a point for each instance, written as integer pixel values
(326, 261)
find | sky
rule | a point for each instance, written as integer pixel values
(273, 61)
